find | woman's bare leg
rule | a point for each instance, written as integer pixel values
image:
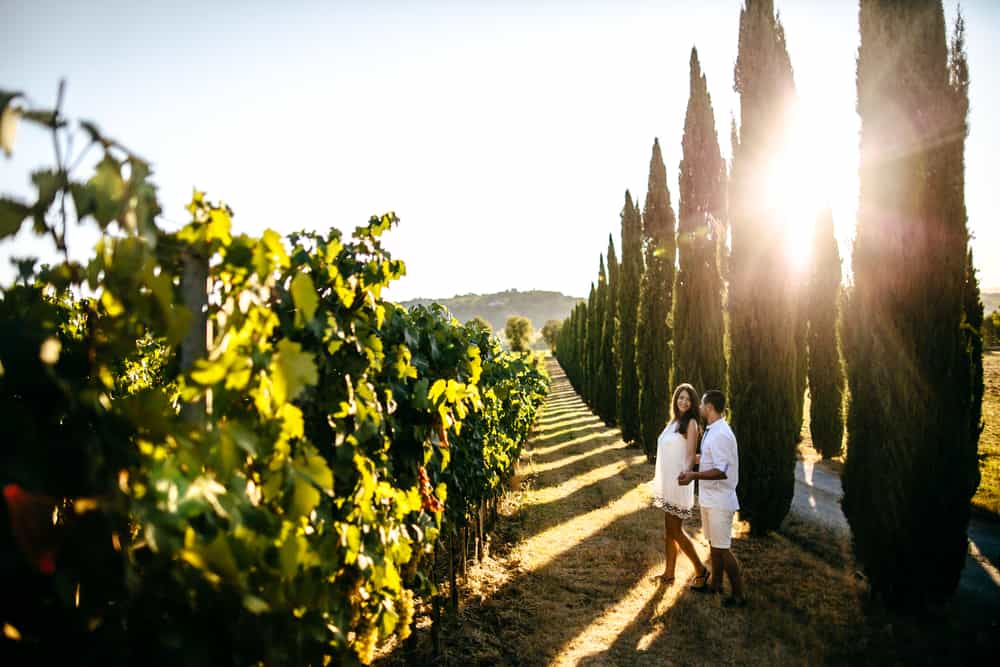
(670, 547)
(684, 542)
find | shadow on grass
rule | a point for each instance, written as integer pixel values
(582, 427)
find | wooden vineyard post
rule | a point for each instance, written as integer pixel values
(451, 573)
(482, 534)
(465, 549)
(436, 604)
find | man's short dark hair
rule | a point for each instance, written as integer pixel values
(716, 399)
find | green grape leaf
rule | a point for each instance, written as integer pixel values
(305, 497)
(108, 190)
(84, 199)
(12, 214)
(305, 297)
(313, 467)
(272, 241)
(292, 370)
(207, 373)
(219, 226)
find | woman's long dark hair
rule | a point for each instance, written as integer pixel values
(692, 412)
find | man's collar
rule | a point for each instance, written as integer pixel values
(720, 420)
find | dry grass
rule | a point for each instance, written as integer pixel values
(568, 580)
(987, 498)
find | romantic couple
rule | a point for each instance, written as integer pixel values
(718, 474)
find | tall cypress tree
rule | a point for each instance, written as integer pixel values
(588, 344)
(655, 302)
(699, 324)
(581, 347)
(628, 314)
(608, 403)
(596, 333)
(826, 370)
(763, 382)
(567, 349)
(911, 452)
(958, 70)
(973, 329)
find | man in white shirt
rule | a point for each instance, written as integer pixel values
(719, 473)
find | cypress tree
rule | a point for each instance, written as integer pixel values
(596, 333)
(579, 346)
(766, 415)
(826, 370)
(958, 70)
(609, 360)
(699, 325)
(655, 303)
(628, 314)
(588, 342)
(911, 453)
(973, 328)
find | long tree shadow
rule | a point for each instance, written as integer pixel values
(570, 432)
(551, 513)
(566, 418)
(603, 450)
(576, 445)
(567, 412)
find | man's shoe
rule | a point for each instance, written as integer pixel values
(734, 603)
(700, 582)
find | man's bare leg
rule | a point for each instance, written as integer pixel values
(718, 570)
(732, 568)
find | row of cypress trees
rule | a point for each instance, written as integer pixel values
(908, 328)
(667, 293)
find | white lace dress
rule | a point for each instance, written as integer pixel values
(671, 455)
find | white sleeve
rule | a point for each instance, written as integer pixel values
(723, 449)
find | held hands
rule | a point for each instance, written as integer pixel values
(685, 478)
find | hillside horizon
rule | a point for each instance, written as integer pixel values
(539, 306)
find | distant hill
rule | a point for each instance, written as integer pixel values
(537, 305)
(991, 301)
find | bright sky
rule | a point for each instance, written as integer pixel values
(503, 137)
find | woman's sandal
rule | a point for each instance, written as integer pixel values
(700, 582)
(663, 579)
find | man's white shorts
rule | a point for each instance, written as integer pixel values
(717, 525)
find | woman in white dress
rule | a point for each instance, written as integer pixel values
(675, 453)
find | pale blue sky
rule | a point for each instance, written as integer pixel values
(504, 137)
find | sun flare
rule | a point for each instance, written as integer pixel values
(797, 183)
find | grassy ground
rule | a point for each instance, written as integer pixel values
(987, 498)
(568, 579)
